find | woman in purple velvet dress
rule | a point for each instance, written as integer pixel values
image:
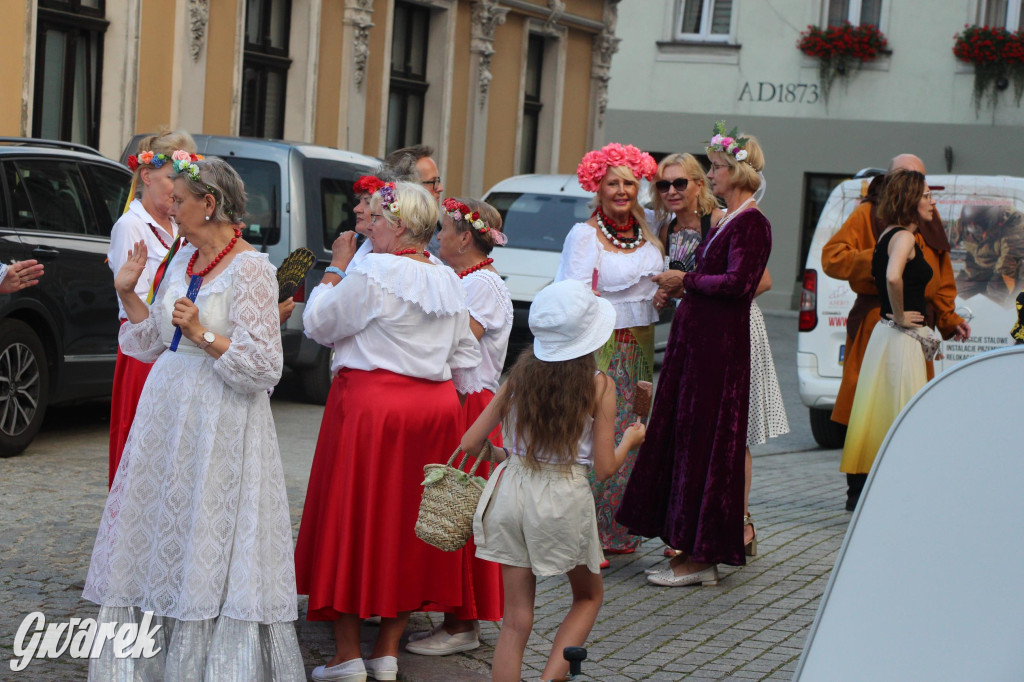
(687, 486)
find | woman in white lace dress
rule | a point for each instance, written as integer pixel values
(470, 230)
(196, 527)
(399, 325)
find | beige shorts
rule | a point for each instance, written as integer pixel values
(542, 519)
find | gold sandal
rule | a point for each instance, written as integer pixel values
(751, 547)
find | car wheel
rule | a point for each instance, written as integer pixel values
(24, 386)
(827, 433)
(317, 378)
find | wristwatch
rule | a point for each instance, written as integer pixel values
(208, 338)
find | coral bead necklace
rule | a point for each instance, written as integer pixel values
(479, 266)
(412, 252)
(205, 271)
(159, 238)
(618, 238)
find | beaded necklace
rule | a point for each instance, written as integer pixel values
(205, 271)
(159, 238)
(411, 252)
(479, 266)
(633, 243)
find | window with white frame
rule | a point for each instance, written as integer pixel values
(704, 20)
(857, 12)
(1001, 13)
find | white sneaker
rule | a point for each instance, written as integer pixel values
(349, 671)
(383, 668)
(442, 644)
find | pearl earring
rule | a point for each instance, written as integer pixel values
(207, 217)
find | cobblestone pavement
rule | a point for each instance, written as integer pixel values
(751, 626)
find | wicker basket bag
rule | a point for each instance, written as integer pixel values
(449, 502)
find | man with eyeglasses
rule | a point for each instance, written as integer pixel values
(847, 257)
(415, 164)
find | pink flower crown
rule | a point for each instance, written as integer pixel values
(595, 164)
(728, 142)
(458, 211)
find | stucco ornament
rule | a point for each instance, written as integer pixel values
(487, 17)
(605, 45)
(198, 18)
(358, 14)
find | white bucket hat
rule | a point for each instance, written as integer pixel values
(568, 321)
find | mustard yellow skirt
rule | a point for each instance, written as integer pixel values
(892, 372)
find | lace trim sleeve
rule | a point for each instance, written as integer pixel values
(254, 360)
(489, 300)
(142, 341)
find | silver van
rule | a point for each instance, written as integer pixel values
(299, 195)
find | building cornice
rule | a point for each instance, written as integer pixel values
(555, 10)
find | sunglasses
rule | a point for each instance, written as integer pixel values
(679, 184)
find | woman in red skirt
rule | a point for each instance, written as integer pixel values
(399, 325)
(469, 232)
(145, 219)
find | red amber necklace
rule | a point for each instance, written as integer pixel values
(411, 252)
(205, 271)
(479, 266)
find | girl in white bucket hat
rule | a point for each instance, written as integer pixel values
(536, 516)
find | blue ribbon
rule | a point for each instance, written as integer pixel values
(191, 294)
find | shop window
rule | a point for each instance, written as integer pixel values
(532, 104)
(409, 85)
(69, 64)
(265, 66)
(817, 188)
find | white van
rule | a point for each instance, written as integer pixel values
(537, 212)
(984, 219)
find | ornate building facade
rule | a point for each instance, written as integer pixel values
(497, 87)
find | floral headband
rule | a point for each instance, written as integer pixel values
(190, 168)
(595, 164)
(728, 143)
(148, 158)
(388, 198)
(367, 184)
(459, 212)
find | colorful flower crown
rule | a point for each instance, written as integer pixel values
(459, 212)
(148, 158)
(595, 164)
(188, 167)
(367, 184)
(728, 143)
(388, 198)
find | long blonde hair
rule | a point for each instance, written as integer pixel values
(551, 402)
(693, 172)
(636, 209)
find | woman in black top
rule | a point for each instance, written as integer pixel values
(894, 362)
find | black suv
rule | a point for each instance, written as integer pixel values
(58, 340)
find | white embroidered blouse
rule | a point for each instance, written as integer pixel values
(490, 304)
(397, 314)
(624, 279)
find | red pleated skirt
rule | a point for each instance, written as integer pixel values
(129, 379)
(357, 552)
(483, 597)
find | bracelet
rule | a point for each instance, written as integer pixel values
(334, 270)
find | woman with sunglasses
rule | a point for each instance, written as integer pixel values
(685, 209)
